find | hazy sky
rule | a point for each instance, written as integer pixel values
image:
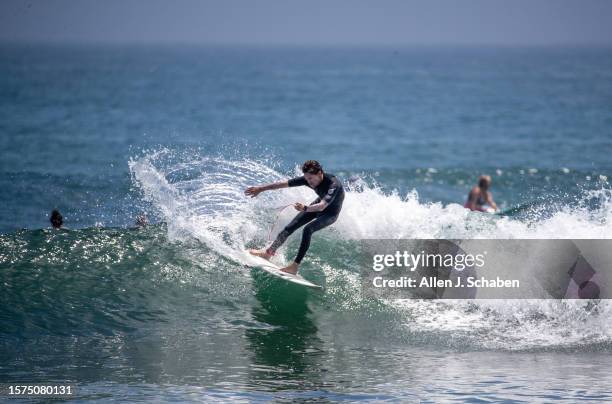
(321, 22)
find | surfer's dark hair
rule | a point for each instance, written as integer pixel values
(311, 167)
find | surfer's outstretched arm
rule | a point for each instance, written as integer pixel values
(254, 191)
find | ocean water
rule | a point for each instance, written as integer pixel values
(171, 312)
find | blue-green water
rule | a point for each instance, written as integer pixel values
(171, 312)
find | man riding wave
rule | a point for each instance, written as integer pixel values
(321, 213)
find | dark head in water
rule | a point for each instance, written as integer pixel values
(56, 219)
(313, 172)
(484, 182)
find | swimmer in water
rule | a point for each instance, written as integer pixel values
(56, 219)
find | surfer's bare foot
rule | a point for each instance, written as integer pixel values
(261, 253)
(291, 268)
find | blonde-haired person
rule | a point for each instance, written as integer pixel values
(480, 198)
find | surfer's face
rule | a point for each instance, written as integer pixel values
(314, 179)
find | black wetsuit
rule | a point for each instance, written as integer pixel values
(329, 190)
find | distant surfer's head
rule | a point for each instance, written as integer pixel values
(313, 172)
(56, 219)
(484, 182)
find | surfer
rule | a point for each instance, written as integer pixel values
(321, 213)
(480, 198)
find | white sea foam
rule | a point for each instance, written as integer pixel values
(203, 198)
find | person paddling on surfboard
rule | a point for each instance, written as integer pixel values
(321, 213)
(480, 196)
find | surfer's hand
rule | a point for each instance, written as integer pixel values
(298, 206)
(253, 191)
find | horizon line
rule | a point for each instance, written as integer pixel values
(29, 42)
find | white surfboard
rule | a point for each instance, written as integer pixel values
(275, 270)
